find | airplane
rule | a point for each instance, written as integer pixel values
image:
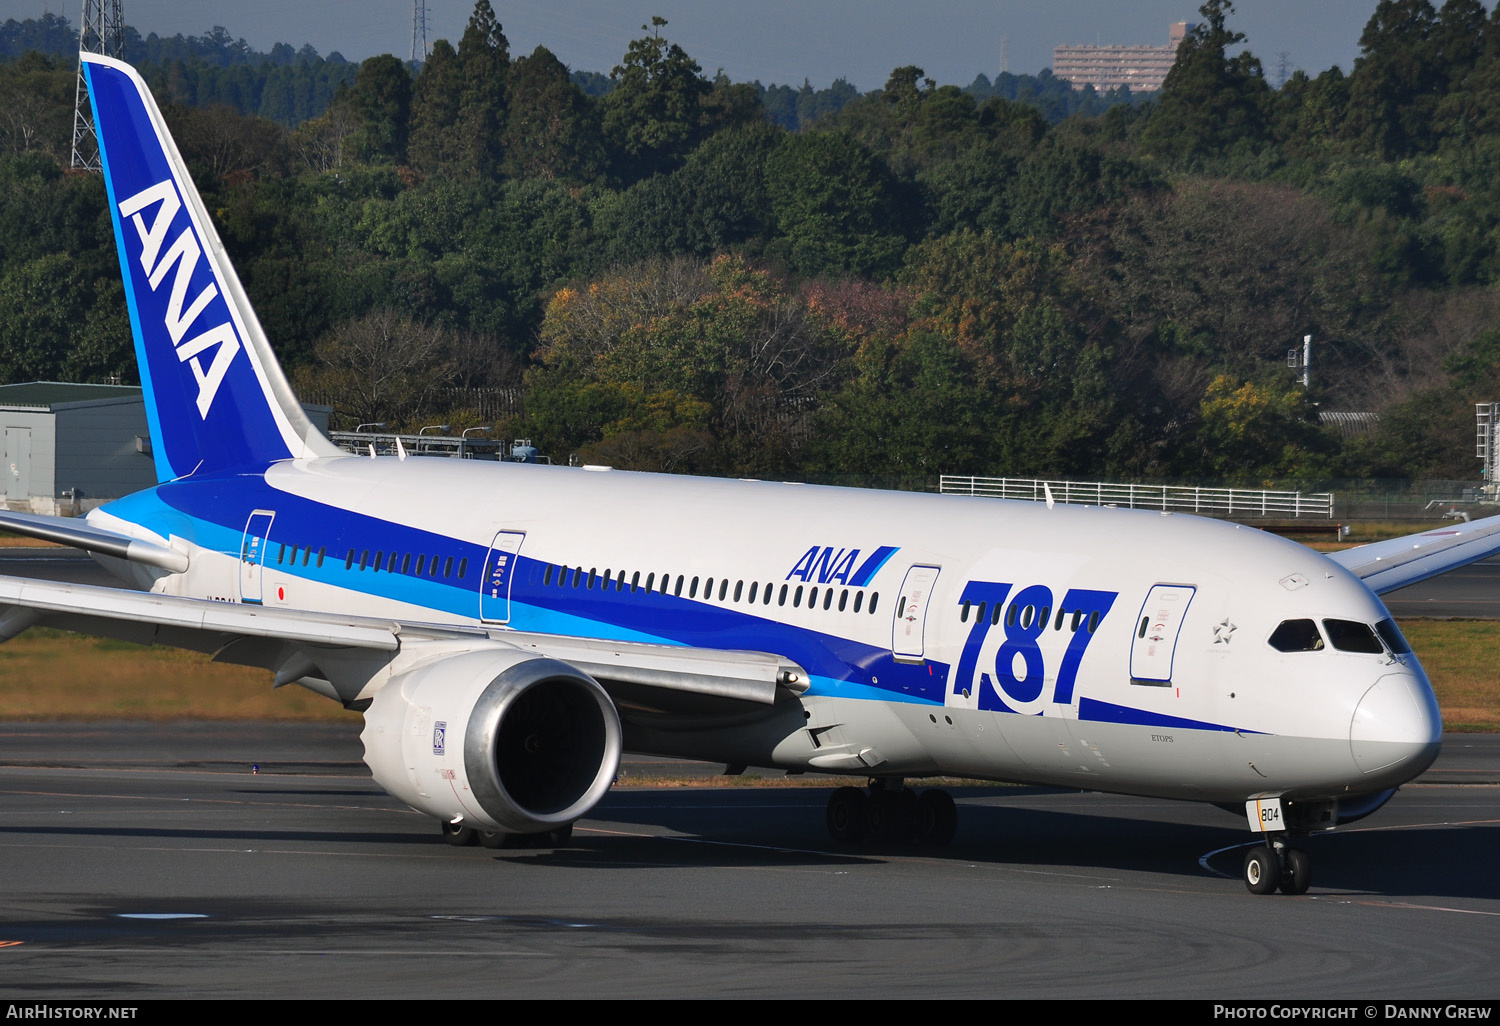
(508, 630)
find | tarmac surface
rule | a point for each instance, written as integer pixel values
(148, 861)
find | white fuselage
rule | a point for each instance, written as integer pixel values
(1130, 651)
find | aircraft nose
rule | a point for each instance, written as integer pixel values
(1397, 728)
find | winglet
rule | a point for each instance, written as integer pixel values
(215, 396)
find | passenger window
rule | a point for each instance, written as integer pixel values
(280, 555)
(828, 599)
(349, 560)
(678, 590)
(723, 588)
(812, 598)
(547, 575)
(1296, 636)
(858, 595)
(463, 568)
(320, 557)
(963, 615)
(874, 598)
(1353, 636)
(843, 599)
(754, 586)
(364, 559)
(635, 581)
(693, 589)
(782, 600)
(421, 564)
(797, 598)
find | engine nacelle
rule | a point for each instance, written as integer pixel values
(509, 741)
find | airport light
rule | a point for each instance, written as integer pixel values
(373, 424)
(435, 427)
(487, 427)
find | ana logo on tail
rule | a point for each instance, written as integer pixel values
(185, 253)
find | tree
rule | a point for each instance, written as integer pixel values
(654, 115)
(381, 99)
(1397, 80)
(552, 131)
(436, 145)
(835, 204)
(484, 56)
(1211, 103)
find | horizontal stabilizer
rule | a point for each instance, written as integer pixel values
(80, 534)
(1388, 565)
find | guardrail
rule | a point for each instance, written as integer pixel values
(1243, 502)
(452, 446)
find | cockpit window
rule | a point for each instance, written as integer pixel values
(1296, 636)
(1391, 635)
(1353, 636)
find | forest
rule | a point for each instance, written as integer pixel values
(661, 270)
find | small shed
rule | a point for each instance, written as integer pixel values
(71, 447)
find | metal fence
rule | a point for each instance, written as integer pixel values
(1222, 502)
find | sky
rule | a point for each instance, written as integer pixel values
(774, 41)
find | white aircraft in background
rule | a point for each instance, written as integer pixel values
(508, 630)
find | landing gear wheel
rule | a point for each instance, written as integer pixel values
(893, 815)
(848, 815)
(1296, 871)
(937, 817)
(459, 835)
(495, 839)
(1262, 870)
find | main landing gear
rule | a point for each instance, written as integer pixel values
(1274, 864)
(891, 813)
(460, 835)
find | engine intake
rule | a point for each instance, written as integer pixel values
(508, 741)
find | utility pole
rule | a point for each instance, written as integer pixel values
(102, 30)
(1303, 360)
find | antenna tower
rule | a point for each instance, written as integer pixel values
(1282, 56)
(102, 30)
(1004, 54)
(419, 30)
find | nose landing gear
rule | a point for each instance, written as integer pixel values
(1275, 865)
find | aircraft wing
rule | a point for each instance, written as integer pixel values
(342, 656)
(1388, 565)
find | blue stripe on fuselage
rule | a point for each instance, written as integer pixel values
(211, 511)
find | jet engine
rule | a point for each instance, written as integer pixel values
(511, 742)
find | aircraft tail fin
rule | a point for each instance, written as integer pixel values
(216, 398)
